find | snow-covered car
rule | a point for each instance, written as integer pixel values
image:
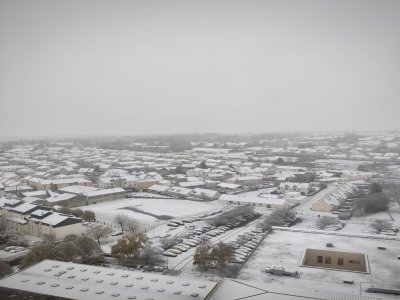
(117, 233)
(173, 250)
(170, 254)
(182, 249)
(164, 235)
(189, 243)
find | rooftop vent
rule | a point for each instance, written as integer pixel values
(115, 294)
(41, 282)
(99, 292)
(54, 285)
(129, 285)
(84, 290)
(99, 281)
(70, 287)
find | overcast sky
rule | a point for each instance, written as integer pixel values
(138, 67)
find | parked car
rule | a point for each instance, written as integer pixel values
(170, 254)
(117, 233)
(173, 250)
(164, 235)
(182, 249)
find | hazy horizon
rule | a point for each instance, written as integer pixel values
(116, 68)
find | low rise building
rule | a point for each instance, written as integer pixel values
(31, 219)
(68, 280)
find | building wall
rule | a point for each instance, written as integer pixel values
(350, 261)
(61, 232)
(37, 228)
(82, 200)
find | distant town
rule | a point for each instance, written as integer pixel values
(201, 216)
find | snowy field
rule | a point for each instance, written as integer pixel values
(286, 249)
(176, 208)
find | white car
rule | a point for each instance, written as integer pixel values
(170, 254)
(182, 249)
(164, 235)
(176, 251)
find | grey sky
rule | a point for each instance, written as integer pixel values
(137, 67)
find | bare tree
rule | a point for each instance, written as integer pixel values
(131, 226)
(392, 189)
(264, 225)
(169, 242)
(5, 269)
(221, 253)
(121, 220)
(99, 232)
(326, 221)
(380, 225)
(39, 253)
(202, 254)
(3, 223)
(150, 255)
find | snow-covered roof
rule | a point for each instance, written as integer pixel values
(158, 188)
(34, 193)
(60, 197)
(180, 190)
(300, 185)
(229, 185)
(270, 200)
(56, 218)
(207, 192)
(189, 184)
(78, 189)
(24, 207)
(81, 282)
(104, 192)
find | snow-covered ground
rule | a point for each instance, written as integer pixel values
(176, 208)
(282, 248)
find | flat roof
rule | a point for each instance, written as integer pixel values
(286, 248)
(241, 289)
(82, 282)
